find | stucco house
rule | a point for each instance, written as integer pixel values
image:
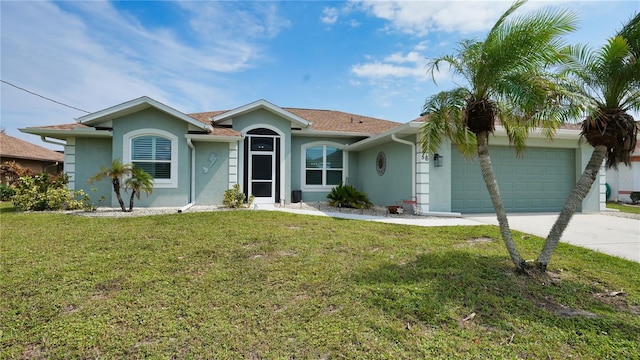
(30, 156)
(287, 155)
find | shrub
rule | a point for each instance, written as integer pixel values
(12, 171)
(349, 197)
(635, 197)
(234, 198)
(45, 192)
(6, 192)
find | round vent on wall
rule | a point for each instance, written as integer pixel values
(381, 163)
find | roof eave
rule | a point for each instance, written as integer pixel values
(409, 128)
(213, 138)
(262, 104)
(305, 132)
(136, 105)
(63, 134)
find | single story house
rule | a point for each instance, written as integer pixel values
(289, 155)
(30, 156)
(625, 179)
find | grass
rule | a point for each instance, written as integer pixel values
(271, 285)
(622, 207)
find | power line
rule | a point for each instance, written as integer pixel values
(44, 97)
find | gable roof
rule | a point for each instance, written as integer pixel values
(135, 105)
(11, 147)
(215, 123)
(262, 104)
(319, 121)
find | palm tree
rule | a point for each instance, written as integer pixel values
(508, 79)
(139, 181)
(117, 171)
(610, 83)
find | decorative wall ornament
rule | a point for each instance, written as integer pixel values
(212, 160)
(381, 163)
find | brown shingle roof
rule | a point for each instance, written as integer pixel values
(63, 126)
(330, 120)
(11, 147)
(326, 120)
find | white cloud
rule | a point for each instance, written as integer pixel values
(420, 18)
(91, 55)
(411, 57)
(378, 70)
(329, 15)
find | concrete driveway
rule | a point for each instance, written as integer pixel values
(609, 234)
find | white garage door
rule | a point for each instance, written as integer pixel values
(539, 181)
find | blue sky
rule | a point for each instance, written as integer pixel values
(363, 57)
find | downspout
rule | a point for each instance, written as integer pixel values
(413, 161)
(192, 186)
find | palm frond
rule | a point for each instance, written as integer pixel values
(444, 113)
(631, 32)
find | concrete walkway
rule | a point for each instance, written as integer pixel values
(608, 234)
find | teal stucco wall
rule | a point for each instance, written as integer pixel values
(91, 154)
(211, 185)
(155, 119)
(395, 184)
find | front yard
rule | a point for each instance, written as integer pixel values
(267, 285)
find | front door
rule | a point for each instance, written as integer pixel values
(262, 174)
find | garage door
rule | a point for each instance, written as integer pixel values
(539, 181)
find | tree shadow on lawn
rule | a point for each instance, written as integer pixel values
(459, 287)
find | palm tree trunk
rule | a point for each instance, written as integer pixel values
(116, 189)
(133, 194)
(492, 186)
(573, 201)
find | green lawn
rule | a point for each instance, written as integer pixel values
(271, 285)
(627, 208)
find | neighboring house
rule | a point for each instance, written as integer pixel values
(625, 179)
(36, 158)
(288, 154)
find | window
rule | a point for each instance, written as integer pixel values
(323, 166)
(154, 151)
(153, 155)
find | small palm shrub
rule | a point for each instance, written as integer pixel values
(234, 198)
(349, 197)
(635, 197)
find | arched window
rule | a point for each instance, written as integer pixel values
(155, 152)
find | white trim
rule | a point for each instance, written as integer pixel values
(262, 104)
(170, 183)
(281, 135)
(233, 164)
(135, 105)
(69, 166)
(303, 165)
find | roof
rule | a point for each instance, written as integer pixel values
(324, 121)
(136, 105)
(320, 122)
(11, 147)
(295, 120)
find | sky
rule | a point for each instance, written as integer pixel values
(362, 57)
